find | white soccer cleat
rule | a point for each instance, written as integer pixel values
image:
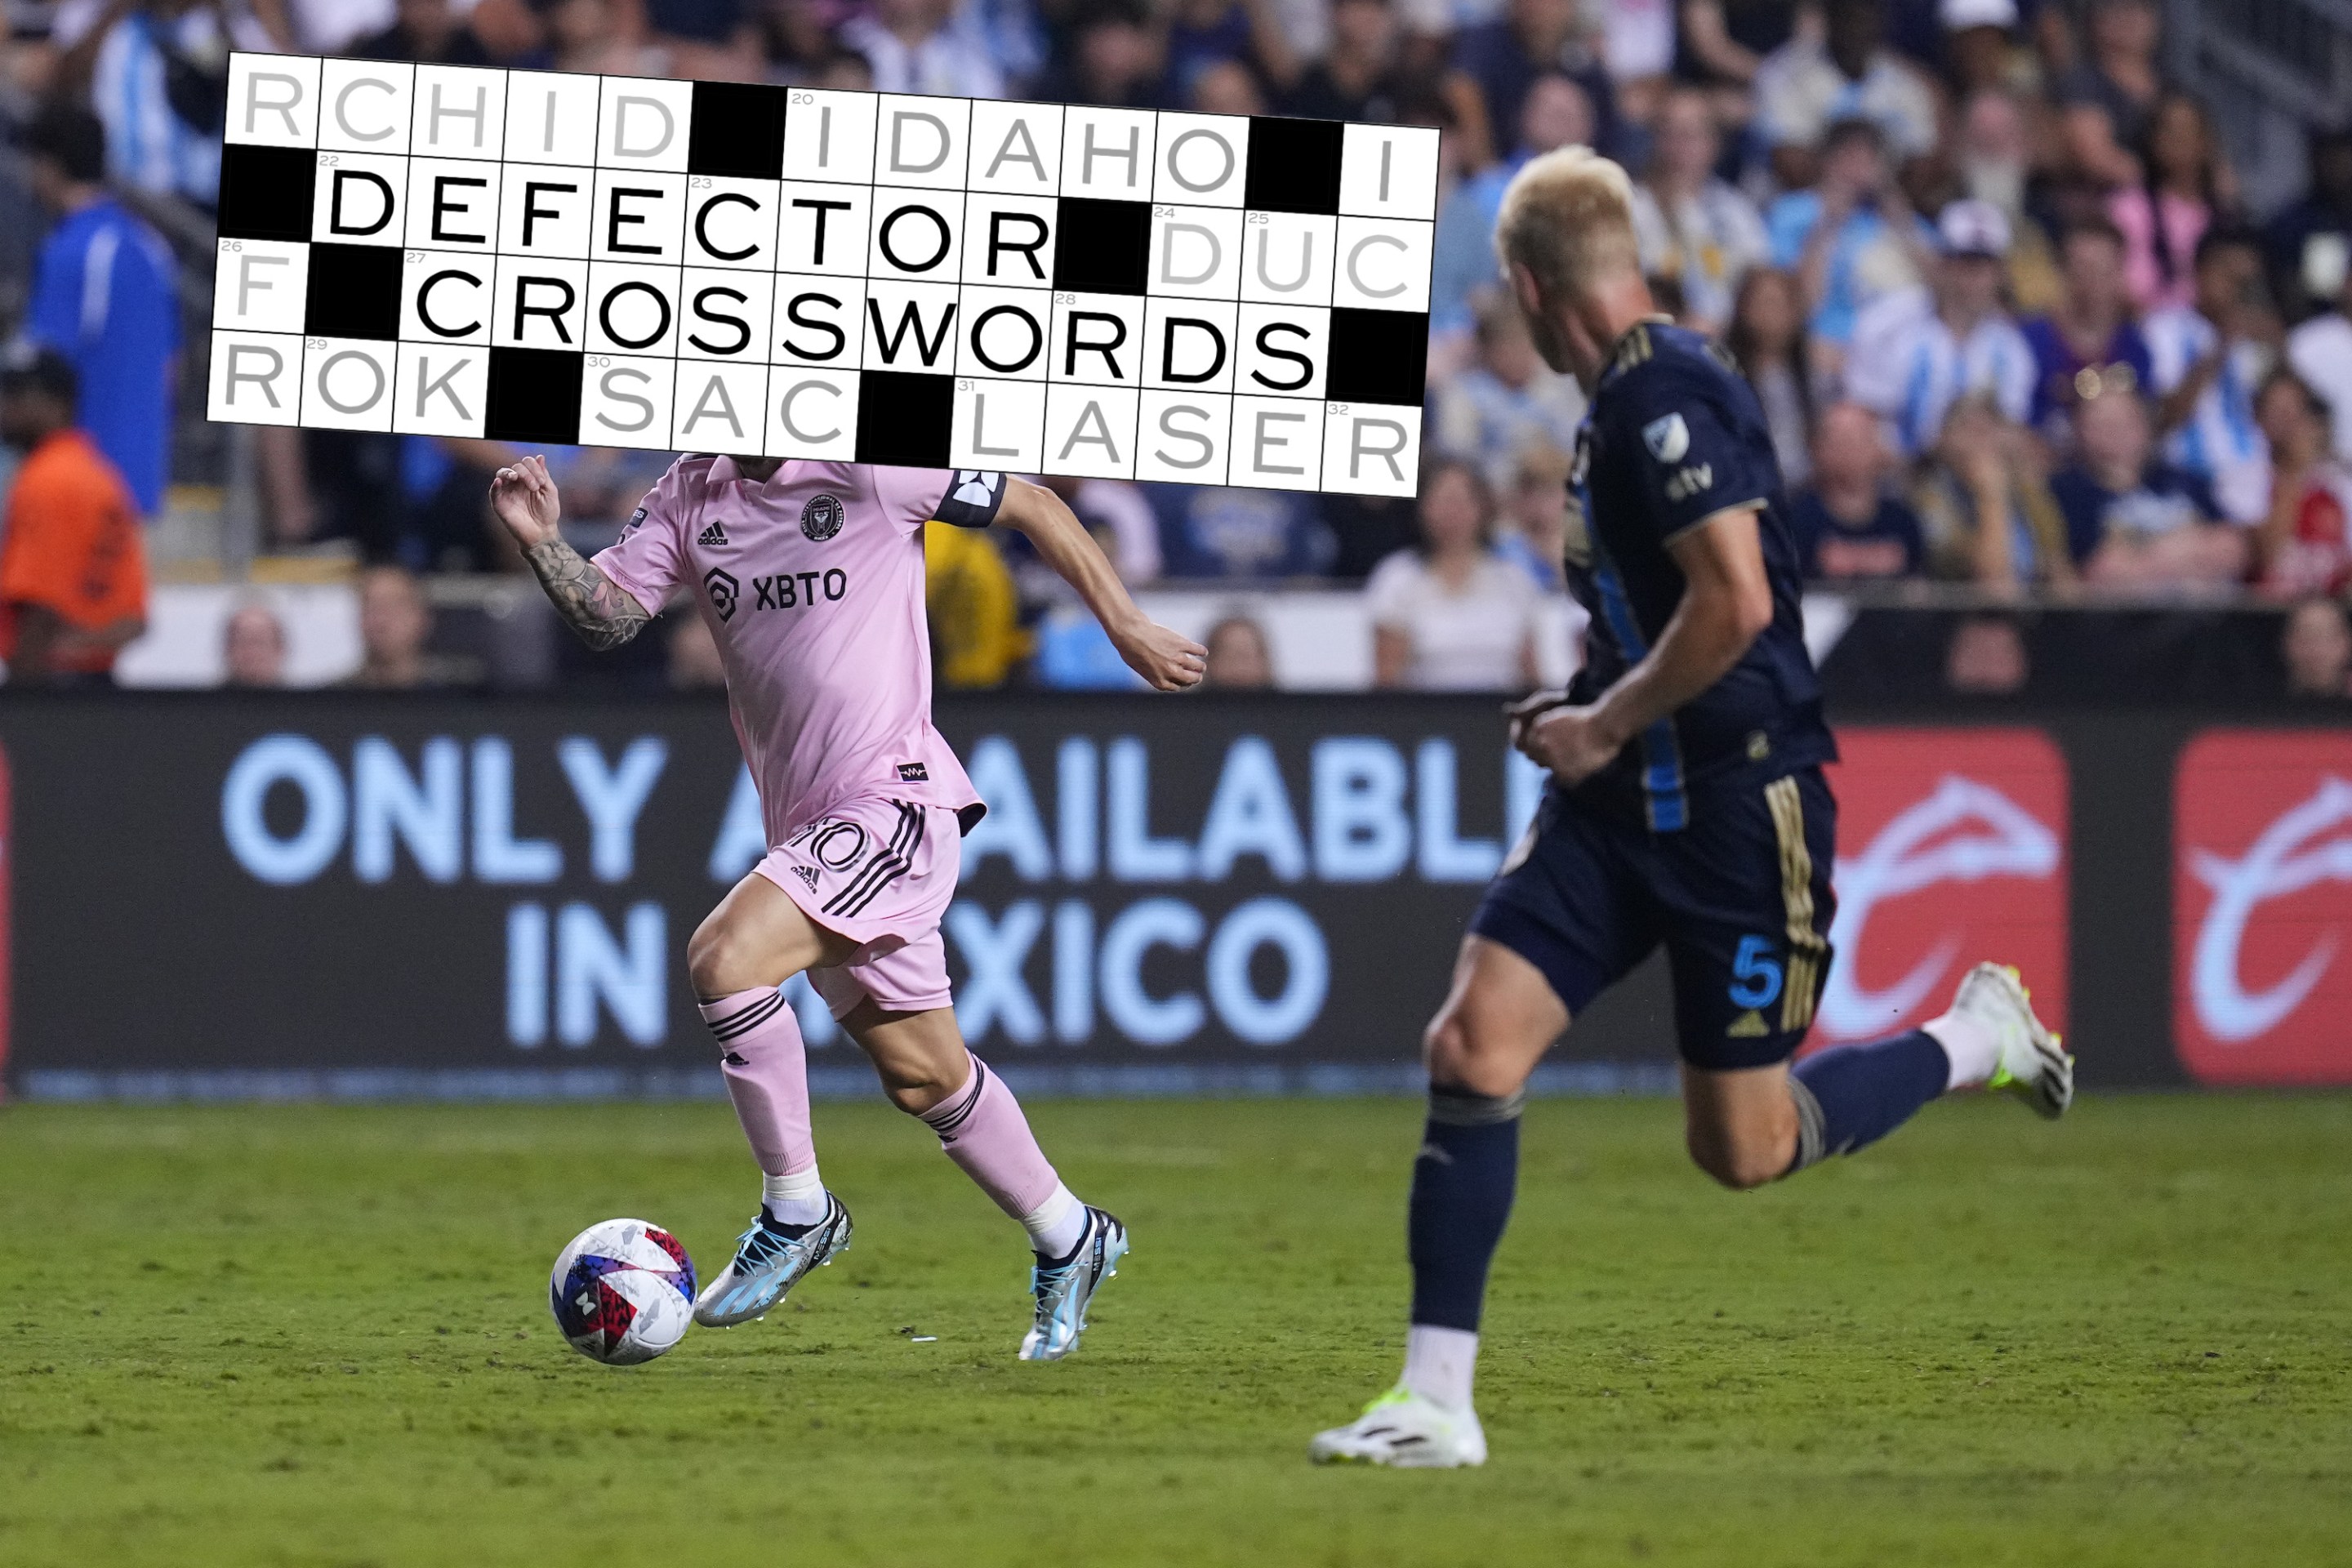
(767, 1263)
(1407, 1430)
(2030, 1063)
(1064, 1292)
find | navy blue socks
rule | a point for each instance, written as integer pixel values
(1462, 1189)
(1851, 1096)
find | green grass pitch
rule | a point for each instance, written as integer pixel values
(320, 1336)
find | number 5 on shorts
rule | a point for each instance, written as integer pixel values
(1756, 974)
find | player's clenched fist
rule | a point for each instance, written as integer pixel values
(525, 500)
(1169, 660)
(1572, 742)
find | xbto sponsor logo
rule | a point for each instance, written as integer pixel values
(793, 590)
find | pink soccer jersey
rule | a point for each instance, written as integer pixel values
(813, 584)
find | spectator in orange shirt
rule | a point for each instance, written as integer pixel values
(73, 571)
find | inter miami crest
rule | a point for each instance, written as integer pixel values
(822, 518)
(723, 589)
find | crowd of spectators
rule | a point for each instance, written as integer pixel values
(1986, 262)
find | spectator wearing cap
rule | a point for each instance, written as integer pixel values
(1914, 353)
(1849, 526)
(73, 573)
(1976, 43)
(105, 296)
(2133, 520)
(1993, 156)
(2310, 238)
(1806, 87)
(2206, 359)
(2321, 352)
(1691, 226)
(2092, 337)
(1851, 239)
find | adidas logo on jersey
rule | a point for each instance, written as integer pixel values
(714, 534)
(807, 876)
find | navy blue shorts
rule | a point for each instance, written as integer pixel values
(1740, 899)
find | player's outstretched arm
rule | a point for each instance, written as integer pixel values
(1726, 603)
(604, 614)
(1167, 660)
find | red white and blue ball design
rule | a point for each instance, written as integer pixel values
(623, 1292)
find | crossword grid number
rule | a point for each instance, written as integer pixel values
(542, 257)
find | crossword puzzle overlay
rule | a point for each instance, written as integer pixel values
(616, 261)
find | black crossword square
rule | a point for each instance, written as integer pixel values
(1377, 356)
(737, 130)
(534, 396)
(1104, 247)
(354, 292)
(1294, 165)
(904, 420)
(264, 191)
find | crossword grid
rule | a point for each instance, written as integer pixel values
(619, 261)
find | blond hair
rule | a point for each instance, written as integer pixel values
(1567, 218)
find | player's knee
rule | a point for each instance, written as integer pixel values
(719, 961)
(1454, 1050)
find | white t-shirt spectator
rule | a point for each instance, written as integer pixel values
(1908, 366)
(1801, 93)
(2321, 352)
(1707, 244)
(2220, 442)
(1473, 640)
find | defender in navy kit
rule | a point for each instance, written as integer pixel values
(1687, 809)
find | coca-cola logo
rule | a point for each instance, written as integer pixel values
(1951, 849)
(2263, 886)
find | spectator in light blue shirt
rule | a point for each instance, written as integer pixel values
(105, 296)
(1851, 239)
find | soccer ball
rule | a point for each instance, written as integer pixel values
(623, 1292)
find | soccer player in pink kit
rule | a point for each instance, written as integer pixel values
(811, 577)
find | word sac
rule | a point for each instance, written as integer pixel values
(541, 257)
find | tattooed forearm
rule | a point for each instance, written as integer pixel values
(604, 614)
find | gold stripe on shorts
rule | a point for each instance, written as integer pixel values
(1806, 946)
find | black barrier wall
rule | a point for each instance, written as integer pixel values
(381, 895)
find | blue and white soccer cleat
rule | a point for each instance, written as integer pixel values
(768, 1263)
(1063, 1290)
(2032, 1065)
(1408, 1430)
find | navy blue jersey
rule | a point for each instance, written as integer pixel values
(1674, 435)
